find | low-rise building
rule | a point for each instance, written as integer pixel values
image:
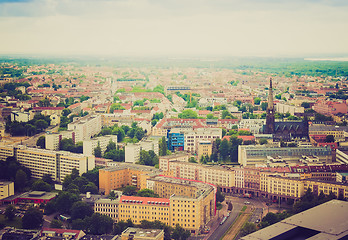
(132, 150)
(103, 141)
(142, 234)
(6, 189)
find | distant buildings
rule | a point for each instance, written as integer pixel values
(330, 108)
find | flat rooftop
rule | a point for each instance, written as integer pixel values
(140, 232)
(121, 166)
(326, 221)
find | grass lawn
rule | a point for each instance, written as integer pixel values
(16, 222)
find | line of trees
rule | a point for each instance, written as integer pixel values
(38, 124)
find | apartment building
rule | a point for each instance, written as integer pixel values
(144, 208)
(193, 136)
(118, 175)
(330, 108)
(6, 151)
(121, 118)
(254, 125)
(263, 155)
(107, 207)
(191, 204)
(217, 175)
(56, 163)
(285, 187)
(204, 148)
(85, 127)
(340, 190)
(179, 156)
(337, 131)
(286, 108)
(103, 141)
(132, 150)
(52, 140)
(6, 189)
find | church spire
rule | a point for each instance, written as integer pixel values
(270, 95)
(270, 111)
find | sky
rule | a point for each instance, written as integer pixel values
(266, 28)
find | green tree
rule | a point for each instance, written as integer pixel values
(80, 210)
(224, 149)
(226, 114)
(188, 114)
(99, 224)
(97, 151)
(264, 106)
(41, 142)
(305, 105)
(47, 178)
(248, 228)
(65, 200)
(21, 180)
(163, 147)
(56, 224)
(41, 124)
(10, 212)
(263, 141)
(40, 185)
(32, 219)
(129, 190)
(147, 193)
(180, 233)
(219, 196)
(257, 101)
(329, 138)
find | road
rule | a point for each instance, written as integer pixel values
(221, 229)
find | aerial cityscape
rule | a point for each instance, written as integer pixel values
(161, 120)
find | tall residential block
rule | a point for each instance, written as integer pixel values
(86, 127)
(56, 163)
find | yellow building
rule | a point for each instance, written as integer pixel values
(317, 186)
(285, 186)
(144, 208)
(6, 189)
(204, 148)
(216, 175)
(192, 203)
(124, 174)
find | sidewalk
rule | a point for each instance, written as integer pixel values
(214, 223)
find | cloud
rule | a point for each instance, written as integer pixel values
(231, 27)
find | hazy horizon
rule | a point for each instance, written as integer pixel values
(183, 28)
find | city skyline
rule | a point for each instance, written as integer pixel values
(266, 28)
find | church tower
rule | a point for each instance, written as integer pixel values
(270, 110)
